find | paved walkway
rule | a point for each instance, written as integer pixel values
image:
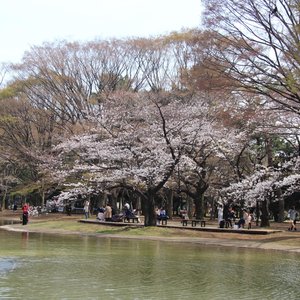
(211, 227)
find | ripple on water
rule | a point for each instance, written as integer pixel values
(6, 265)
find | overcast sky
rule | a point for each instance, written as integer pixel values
(24, 23)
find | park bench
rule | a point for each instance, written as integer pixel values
(132, 219)
(194, 222)
(163, 220)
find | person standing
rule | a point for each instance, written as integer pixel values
(220, 216)
(293, 216)
(69, 208)
(249, 220)
(25, 212)
(247, 216)
(86, 209)
(231, 217)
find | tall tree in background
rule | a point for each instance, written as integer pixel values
(234, 71)
(257, 46)
(4, 69)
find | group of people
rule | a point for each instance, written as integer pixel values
(229, 220)
(107, 213)
(247, 217)
(161, 214)
(103, 213)
(244, 221)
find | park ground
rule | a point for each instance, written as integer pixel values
(277, 236)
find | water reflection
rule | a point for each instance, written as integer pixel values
(71, 267)
(8, 222)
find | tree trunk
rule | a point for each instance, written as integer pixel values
(113, 200)
(269, 152)
(199, 206)
(170, 194)
(138, 204)
(149, 211)
(280, 206)
(257, 212)
(189, 204)
(212, 210)
(2, 207)
(265, 214)
(281, 211)
(43, 197)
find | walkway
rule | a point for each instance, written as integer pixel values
(210, 227)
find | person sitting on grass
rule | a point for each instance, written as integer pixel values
(108, 212)
(100, 215)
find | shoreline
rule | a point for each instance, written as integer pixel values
(280, 240)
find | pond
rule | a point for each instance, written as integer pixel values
(40, 266)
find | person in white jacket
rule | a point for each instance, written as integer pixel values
(293, 214)
(86, 209)
(220, 214)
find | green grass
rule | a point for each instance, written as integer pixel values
(75, 226)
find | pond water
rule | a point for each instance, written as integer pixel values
(40, 266)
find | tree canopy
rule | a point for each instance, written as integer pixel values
(205, 114)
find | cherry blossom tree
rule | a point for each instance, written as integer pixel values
(129, 113)
(265, 137)
(135, 145)
(265, 185)
(137, 140)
